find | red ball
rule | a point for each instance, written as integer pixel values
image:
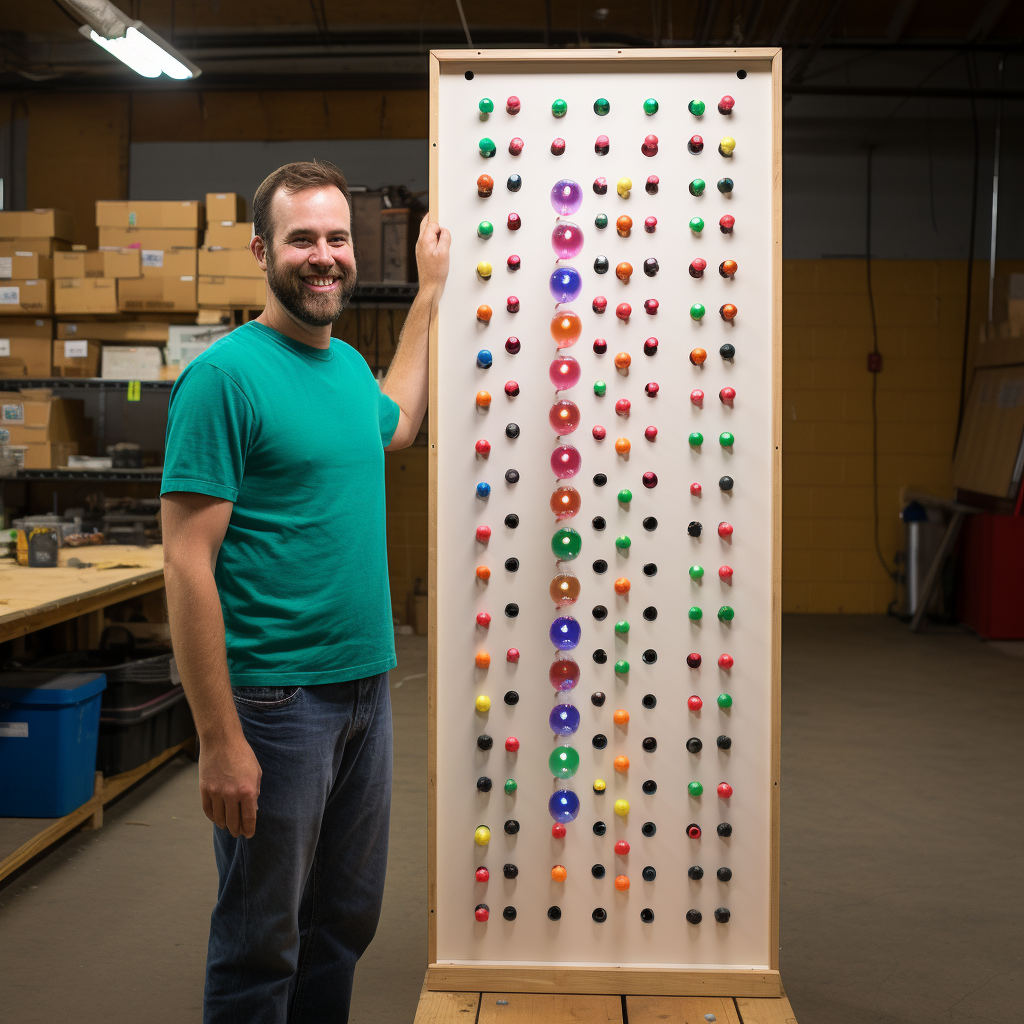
(693, 831)
(695, 489)
(514, 223)
(725, 661)
(599, 433)
(697, 396)
(600, 304)
(511, 744)
(651, 307)
(651, 433)
(623, 310)
(622, 407)
(696, 144)
(650, 479)
(650, 224)
(483, 619)
(725, 105)
(600, 186)
(697, 267)
(511, 389)
(483, 534)
(512, 105)
(693, 661)
(512, 346)
(727, 394)
(724, 529)
(727, 223)
(513, 262)
(512, 655)
(652, 389)
(600, 346)
(725, 573)
(515, 147)
(482, 874)
(558, 830)
(601, 145)
(482, 913)
(558, 147)
(694, 703)
(651, 347)
(622, 847)
(483, 447)
(512, 304)
(724, 790)
(652, 185)
(651, 140)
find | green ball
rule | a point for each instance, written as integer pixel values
(485, 229)
(621, 668)
(623, 542)
(726, 614)
(697, 187)
(487, 147)
(724, 700)
(696, 107)
(650, 106)
(564, 762)
(601, 107)
(696, 224)
(695, 789)
(725, 439)
(600, 387)
(625, 495)
(622, 626)
(566, 543)
(601, 220)
(486, 106)
(697, 311)
(695, 614)
(725, 186)
(510, 786)
(696, 439)
(559, 107)
(696, 572)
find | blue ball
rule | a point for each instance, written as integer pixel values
(564, 719)
(564, 805)
(565, 633)
(484, 359)
(565, 284)
(482, 490)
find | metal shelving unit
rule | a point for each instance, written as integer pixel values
(81, 384)
(152, 474)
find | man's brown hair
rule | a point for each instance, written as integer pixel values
(297, 177)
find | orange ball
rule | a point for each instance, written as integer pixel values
(624, 225)
(624, 271)
(697, 356)
(728, 311)
(727, 268)
(483, 572)
(621, 763)
(622, 446)
(622, 360)
(566, 328)
(483, 314)
(558, 873)
(621, 717)
(483, 399)
(483, 660)
(621, 883)
(622, 585)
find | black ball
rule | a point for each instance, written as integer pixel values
(651, 267)
(650, 523)
(511, 697)
(649, 701)
(724, 742)
(725, 186)
(515, 183)
(649, 657)
(511, 520)
(600, 656)
(511, 610)
(725, 830)
(650, 744)
(725, 483)
(696, 872)
(650, 613)
(597, 871)
(725, 874)
(600, 741)
(510, 871)
(511, 827)
(600, 828)
(512, 565)
(483, 784)
(600, 479)
(512, 476)
(509, 913)
(600, 915)
(512, 430)
(650, 787)
(649, 874)
(648, 828)
(555, 913)
(600, 565)
(597, 699)
(600, 612)
(484, 742)
(601, 265)
(693, 916)
(722, 915)
(727, 351)
(694, 745)
(694, 529)
(598, 522)
(650, 569)
(647, 915)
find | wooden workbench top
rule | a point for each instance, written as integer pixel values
(33, 598)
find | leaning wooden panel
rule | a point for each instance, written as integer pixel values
(671, 610)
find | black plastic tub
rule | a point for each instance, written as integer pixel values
(131, 736)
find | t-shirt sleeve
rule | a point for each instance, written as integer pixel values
(210, 423)
(388, 412)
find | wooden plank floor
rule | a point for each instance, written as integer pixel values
(528, 1008)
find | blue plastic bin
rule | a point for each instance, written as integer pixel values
(49, 725)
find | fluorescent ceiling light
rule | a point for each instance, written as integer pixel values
(127, 54)
(151, 49)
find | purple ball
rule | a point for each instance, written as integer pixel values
(564, 805)
(566, 196)
(565, 633)
(565, 284)
(567, 240)
(564, 719)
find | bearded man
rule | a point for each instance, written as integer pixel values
(275, 565)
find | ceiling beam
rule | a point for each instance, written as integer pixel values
(707, 26)
(900, 17)
(780, 29)
(802, 62)
(990, 14)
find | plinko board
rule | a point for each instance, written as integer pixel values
(605, 475)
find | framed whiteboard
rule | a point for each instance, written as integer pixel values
(525, 928)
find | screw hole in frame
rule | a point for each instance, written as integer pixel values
(741, 74)
(469, 76)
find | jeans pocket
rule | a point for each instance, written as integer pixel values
(265, 696)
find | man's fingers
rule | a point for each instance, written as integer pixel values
(207, 804)
(217, 809)
(233, 817)
(249, 817)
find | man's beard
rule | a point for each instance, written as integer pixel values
(316, 309)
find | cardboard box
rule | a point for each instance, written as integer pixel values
(179, 262)
(120, 330)
(126, 362)
(42, 456)
(367, 237)
(76, 357)
(38, 328)
(229, 263)
(32, 417)
(186, 341)
(148, 213)
(19, 297)
(148, 238)
(224, 207)
(40, 223)
(98, 263)
(31, 354)
(26, 265)
(29, 246)
(232, 292)
(77, 295)
(157, 294)
(229, 236)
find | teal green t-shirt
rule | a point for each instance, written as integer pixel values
(294, 436)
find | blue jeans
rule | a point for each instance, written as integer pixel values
(299, 902)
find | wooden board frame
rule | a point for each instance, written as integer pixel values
(612, 980)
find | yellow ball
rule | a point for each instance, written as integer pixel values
(625, 185)
(727, 145)
(482, 835)
(599, 785)
(622, 808)
(483, 703)
(483, 268)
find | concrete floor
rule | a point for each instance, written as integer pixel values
(901, 856)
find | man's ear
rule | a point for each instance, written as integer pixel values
(259, 250)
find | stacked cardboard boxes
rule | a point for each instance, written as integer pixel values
(38, 430)
(25, 344)
(87, 281)
(28, 240)
(229, 276)
(85, 348)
